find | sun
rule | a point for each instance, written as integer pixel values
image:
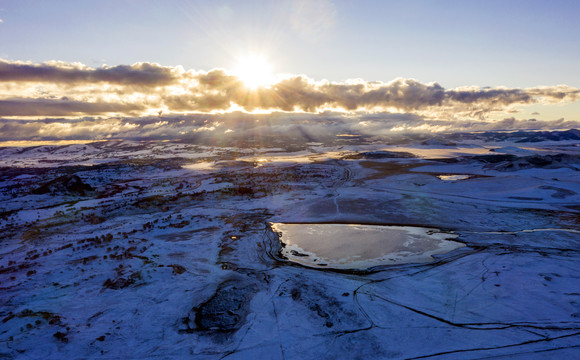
(254, 71)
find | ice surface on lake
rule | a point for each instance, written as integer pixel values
(453, 177)
(351, 246)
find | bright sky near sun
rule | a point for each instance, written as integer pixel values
(514, 43)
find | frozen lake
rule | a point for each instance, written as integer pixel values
(354, 246)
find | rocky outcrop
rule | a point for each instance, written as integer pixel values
(64, 185)
(225, 311)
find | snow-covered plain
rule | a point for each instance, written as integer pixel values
(164, 251)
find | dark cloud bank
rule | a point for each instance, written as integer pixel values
(145, 74)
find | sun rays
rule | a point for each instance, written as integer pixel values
(254, 71)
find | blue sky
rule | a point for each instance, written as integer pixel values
(514, 43)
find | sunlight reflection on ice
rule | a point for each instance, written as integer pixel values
(453, 177)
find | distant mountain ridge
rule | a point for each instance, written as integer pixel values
(521, 136)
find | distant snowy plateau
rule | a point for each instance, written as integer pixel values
(164, 250)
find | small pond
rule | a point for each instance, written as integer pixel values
(453, 177)
(360, 247)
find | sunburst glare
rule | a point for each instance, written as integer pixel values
(254, 71)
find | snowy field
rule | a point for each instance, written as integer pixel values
(163, 250)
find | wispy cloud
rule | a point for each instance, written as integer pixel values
(60, 89)
(312, 19)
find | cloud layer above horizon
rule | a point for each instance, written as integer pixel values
(126, 97)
